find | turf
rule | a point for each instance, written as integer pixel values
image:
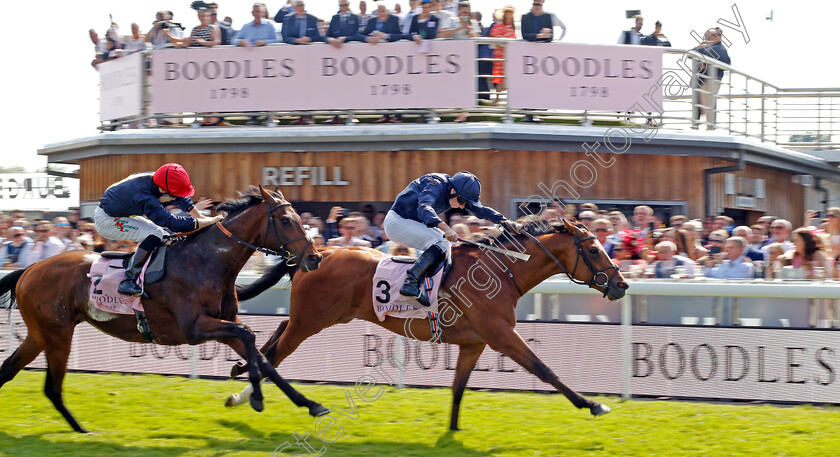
(133, 415)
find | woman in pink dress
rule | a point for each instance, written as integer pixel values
(504, 28)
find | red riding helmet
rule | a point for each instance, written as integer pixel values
(174, 180)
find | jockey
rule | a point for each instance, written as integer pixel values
(132, 209)
(413, 221)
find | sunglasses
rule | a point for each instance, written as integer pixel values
(585, 219)
(17, 235)
(473, 224)
(601, 230)
(712, 240)
(462, 200)
(349, 228)
(88, 230)
(830, 215)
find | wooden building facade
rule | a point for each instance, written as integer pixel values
(537, 166)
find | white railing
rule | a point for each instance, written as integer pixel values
(797, 118)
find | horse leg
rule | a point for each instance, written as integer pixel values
(267, 349)
(240, 338)
(287, 338)
(467, 357)
(23, 355)
(57, 352)
(509, 342)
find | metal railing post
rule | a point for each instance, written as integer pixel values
(194, 362)
(761, 135)
(626, 344)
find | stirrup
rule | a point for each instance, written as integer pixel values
(124, 288)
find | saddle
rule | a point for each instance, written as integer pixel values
(387, 302)
(105, 276)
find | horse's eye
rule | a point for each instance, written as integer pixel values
(284, 220)
(593, 250)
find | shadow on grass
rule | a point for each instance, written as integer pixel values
(446, 445)
(38, 445)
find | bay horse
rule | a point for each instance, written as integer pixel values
(554, 246)
(194, 302)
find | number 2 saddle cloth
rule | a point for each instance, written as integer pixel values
(387, 281)
(107, 273)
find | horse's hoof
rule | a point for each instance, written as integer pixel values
(231, 400)
(257, 404)
(599, 410)
(318, 410)
(236, 370)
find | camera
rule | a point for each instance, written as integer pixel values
(714, 250)
(163, 24)
(345, 212)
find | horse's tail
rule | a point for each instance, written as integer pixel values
(264, 282)
(7, 287)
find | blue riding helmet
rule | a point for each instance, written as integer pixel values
(468, 187)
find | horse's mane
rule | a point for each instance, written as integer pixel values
(247, 197)
(534, 225)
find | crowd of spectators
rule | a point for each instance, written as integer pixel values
(24, 241)
(642, 246)
(422, 20)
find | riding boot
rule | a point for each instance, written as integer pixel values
(129, 285)
(426, 264)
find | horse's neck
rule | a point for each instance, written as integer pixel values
(215, 247)
(535, 270)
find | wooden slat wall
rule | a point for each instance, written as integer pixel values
(381, 175)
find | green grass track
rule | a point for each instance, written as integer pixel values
(133, 415)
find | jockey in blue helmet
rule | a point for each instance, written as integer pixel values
(413, 221)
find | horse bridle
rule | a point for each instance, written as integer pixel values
(607, 278)
(271, 225)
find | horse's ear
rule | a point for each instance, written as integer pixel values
(570, 226)
(266, 195)
(277, 191)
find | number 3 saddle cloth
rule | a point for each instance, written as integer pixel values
(387, 281)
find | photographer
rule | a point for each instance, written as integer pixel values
(732, 266)
(164, 31)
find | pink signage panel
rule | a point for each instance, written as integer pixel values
(313, 77)
(583, 77)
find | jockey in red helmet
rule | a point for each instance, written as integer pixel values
(413, 221)
(133, 209)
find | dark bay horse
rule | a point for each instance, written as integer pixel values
(555, 247)
(195, 302)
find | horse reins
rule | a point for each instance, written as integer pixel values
(580, 254)
(271, 224)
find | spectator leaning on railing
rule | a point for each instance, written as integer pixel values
(344, 26)
(708, 80)
(163, 30)
(257, 32)
(301, 27)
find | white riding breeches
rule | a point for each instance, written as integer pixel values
(413, 234)
(134, 228)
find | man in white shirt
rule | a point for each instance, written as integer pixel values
(46, 245)
(779, 233)
(414, 9)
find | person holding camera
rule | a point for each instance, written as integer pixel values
(730, 263)
(164, 32)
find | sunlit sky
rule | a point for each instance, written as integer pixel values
(51, 91)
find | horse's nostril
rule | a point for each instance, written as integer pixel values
(622, 285)
(314, 258)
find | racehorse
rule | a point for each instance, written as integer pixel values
(195, 301)
(554, 246)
